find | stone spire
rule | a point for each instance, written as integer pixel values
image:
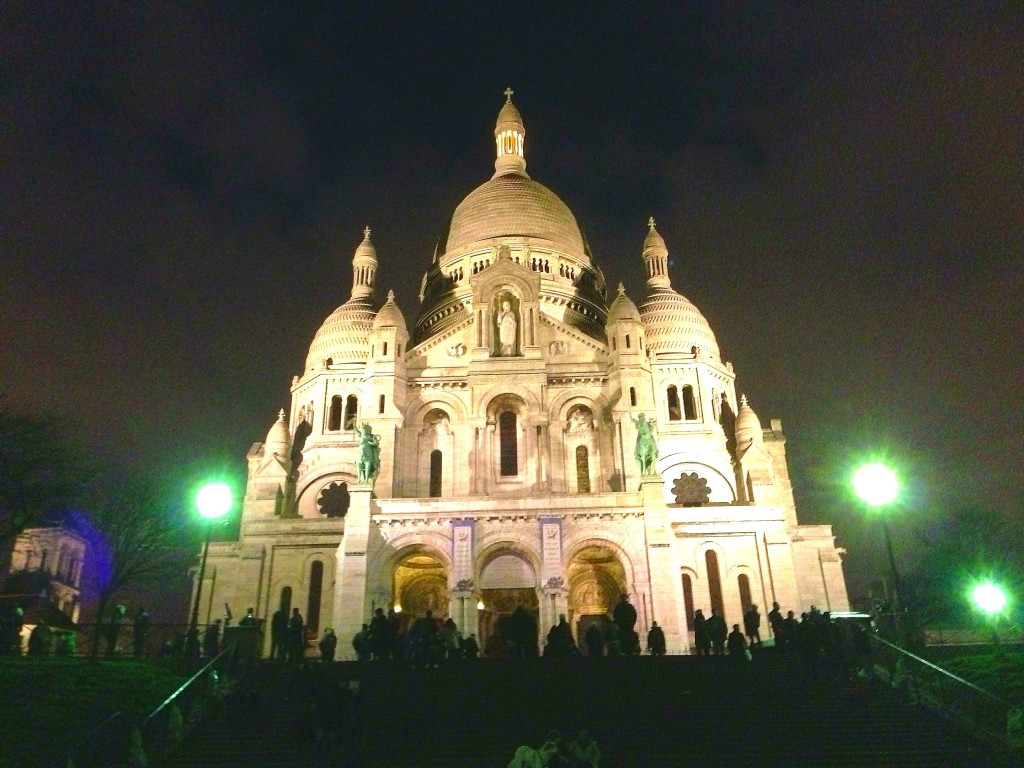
(510, 139)
(656, 258)
(364, 267)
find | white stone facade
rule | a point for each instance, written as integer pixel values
(506, 426)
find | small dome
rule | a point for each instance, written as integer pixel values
(674, 324)
(279, 439)
(513, 205)
(344, 335)
(509, 118)
(748, 427)
(623, 308)
(654, 243)
(390, 316)
(365, 250)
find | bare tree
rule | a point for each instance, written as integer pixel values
(40, 472)
(137, 536)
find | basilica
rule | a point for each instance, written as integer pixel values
(510, 471)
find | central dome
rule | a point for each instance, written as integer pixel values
(514, 205)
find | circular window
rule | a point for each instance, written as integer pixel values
(334, 500)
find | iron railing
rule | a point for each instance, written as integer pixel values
(120, 740)
(978, 711)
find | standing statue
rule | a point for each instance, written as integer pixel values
(507, 326)
(368, 463)
(646, 448)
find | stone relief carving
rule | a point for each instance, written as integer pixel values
(581, 420)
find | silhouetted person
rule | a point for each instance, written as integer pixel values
(524, 633)
(140, 630)
(361, 643)
(39, 640)
(624, 616)
(560, 642)
(776, 622)
(211, 640)
(296, 641)
(737, 644)
(656, 640)
(470, 647)
(422, 637)
(249, 620)
(328, 645)
(495, 648)
(701, 633)
(594, 641)
(583, 750)
(752, 625)
(790, 630)
(380, 646)
(191, 649)
(718, 631)
(279, 634)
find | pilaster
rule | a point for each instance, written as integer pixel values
(350, 608)
(666, 587)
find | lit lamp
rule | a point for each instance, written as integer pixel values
(990, 600)
(877, 486)
(479, 605)
(213, 502)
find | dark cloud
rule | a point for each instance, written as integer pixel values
(183, 185)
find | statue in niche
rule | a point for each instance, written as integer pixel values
(580, 419)
(508, 327)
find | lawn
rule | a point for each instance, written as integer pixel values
(998, 671)
(50, 704)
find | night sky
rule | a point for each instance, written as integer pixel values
(182, 187)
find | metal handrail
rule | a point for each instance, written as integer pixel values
(980, 711)
(181, 689)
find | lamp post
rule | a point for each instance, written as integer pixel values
(213, 502)
(877, 486)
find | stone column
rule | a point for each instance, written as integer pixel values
(350, 596)
(666, 586)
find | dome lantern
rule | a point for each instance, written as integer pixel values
(364, 267)
(510, 140)
(656, 258)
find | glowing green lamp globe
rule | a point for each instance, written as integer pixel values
(989, 598)
(213, 500)
(876, 484)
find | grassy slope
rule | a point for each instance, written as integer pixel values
(998, 673)
(47, 705)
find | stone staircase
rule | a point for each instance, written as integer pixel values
(671, 711)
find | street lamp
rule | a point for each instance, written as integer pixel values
(877, 486)
(213, 502)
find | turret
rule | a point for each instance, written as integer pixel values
(510, 140)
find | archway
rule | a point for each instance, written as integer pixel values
(596, 580)
(420, 585)
(508, 591)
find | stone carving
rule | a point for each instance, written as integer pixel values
(456, 350)
(368, 463)
(508, 325)
(558, 348)
(580, 420)
(691, 490)
(646, 447)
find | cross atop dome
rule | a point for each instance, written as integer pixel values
(650, 222)
(508, 94)
(366, 232)
(510, 139)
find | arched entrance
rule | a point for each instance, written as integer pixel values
(508, 590)
(596, 579)
(420, 584)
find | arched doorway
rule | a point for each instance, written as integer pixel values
(508, 591)
(420, 585)
(596, 580)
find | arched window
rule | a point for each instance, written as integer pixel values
(509, 444)
(316, 585)
(627, 341)
(613, 344)
(673, 403)
(744, 584)
(632, 396)
(351, 408)
(688, 600)
(435, 473)
(334, 415)
(286, 600)
(380, 404)
(689, 406)
(582, 469)
(385, 352)
(714, 582)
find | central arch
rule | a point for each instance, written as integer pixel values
(420, 584)
(508, 592)
(597, 578)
